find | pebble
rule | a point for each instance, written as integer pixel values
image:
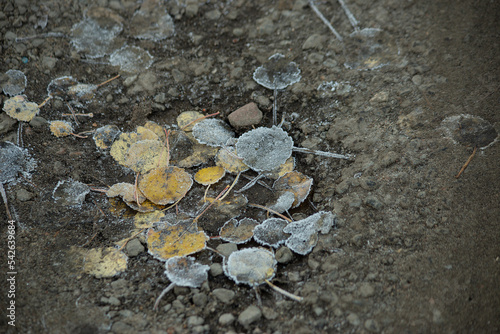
(24, 195)
(216, 269)
(200, 299)
(134, 247)
(38, 122)
(353, 319)
(226, 319)
(366, 290)
(373, 202)
(249, 315)
(111, 301)
(314, 41)
(380, 97)
(49, 62)
(247, 115)
(269, 313)
(417, 79)
(265, 26)
(195, 320)
(213, 15)
(6, 123)
(372, 326)
(284, 255)
(224, 295)
(121, 327)
(227, 248)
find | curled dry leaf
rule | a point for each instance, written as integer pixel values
(295, 182)
(165, 185)
(127, 192)
(238, 232)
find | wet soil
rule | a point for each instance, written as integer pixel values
(415, 249)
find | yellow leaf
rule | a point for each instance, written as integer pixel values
(106, 262)
(145, 155)
(187, 117)
(175, 240)
(156, 129)
(61, 128)
(120, 147)
(209, 175)
(165, 185)
(284, 168)
(228, 159)
(295, 182)
(104, 136)
(147, 219)
(18, 108)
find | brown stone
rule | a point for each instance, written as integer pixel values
(247, 115)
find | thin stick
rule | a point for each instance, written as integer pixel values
(232, 185)
(72, 112)
(251, 183)
(270, 210)
(208, 207)
(325, 21)
(84, 115)
(109, 80)
(351, 17)
(4, 196)
(283, 292)
(136, 188)
(44, 102)
(163, 293)
(275, 107)
(322, 153)
(77, 135)
(199, 119)
(466, 163)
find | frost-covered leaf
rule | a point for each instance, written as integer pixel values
(61, 128)
(277, 73)
(227, 158)
(213, 132)
(165, 185)
(105, 136)
(95, 38)
(250, 266)
(284, 168)
(70, 193)
(131, 59)
(19, 108)
(264, 149)
(144, 155)
(270, 232)
(283, 203)
(185, 271)
(175, 240)
(296, 183)
(12, 161)
(121, 146)
(238, 232)
(15, 84)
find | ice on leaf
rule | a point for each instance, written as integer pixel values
(165, 185)
(95, 37)
(19, 108)
(185, 271)
(213, 132)
(295, 182)
(209, 175)
(270, 232)
(283, 202)
(238, 232)
(252, 266)
(186, 120)
(70, 193)
(12, 162)
(305, 232)
(15, 83)
(370, 49)
(469, 130)
(131, 59)
(61, 128)
(121, 146)
(182, 239)
(277, 73)
(284, 168)
(227, 158)
(147, 219)
(152, 22)
(68, 89)
(103, 263)
(264, 149)
(105, 136)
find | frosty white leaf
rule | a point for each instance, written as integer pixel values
(16, 83)
(185, 271)
(213, 132)
(270, 232)
(154, 25)
(70, 193)
(277, 73)
(283, 203)
(305, 232)
(264, 149)
(12, 161)
(238, 232)
(132, 59)
(93, 39)
(251, 266)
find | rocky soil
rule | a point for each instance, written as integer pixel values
(415, 249)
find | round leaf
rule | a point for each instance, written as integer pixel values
(19, 108)
(209, 175)
(250, 266)
(165, 185)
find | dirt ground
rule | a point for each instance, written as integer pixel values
(414, 250)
